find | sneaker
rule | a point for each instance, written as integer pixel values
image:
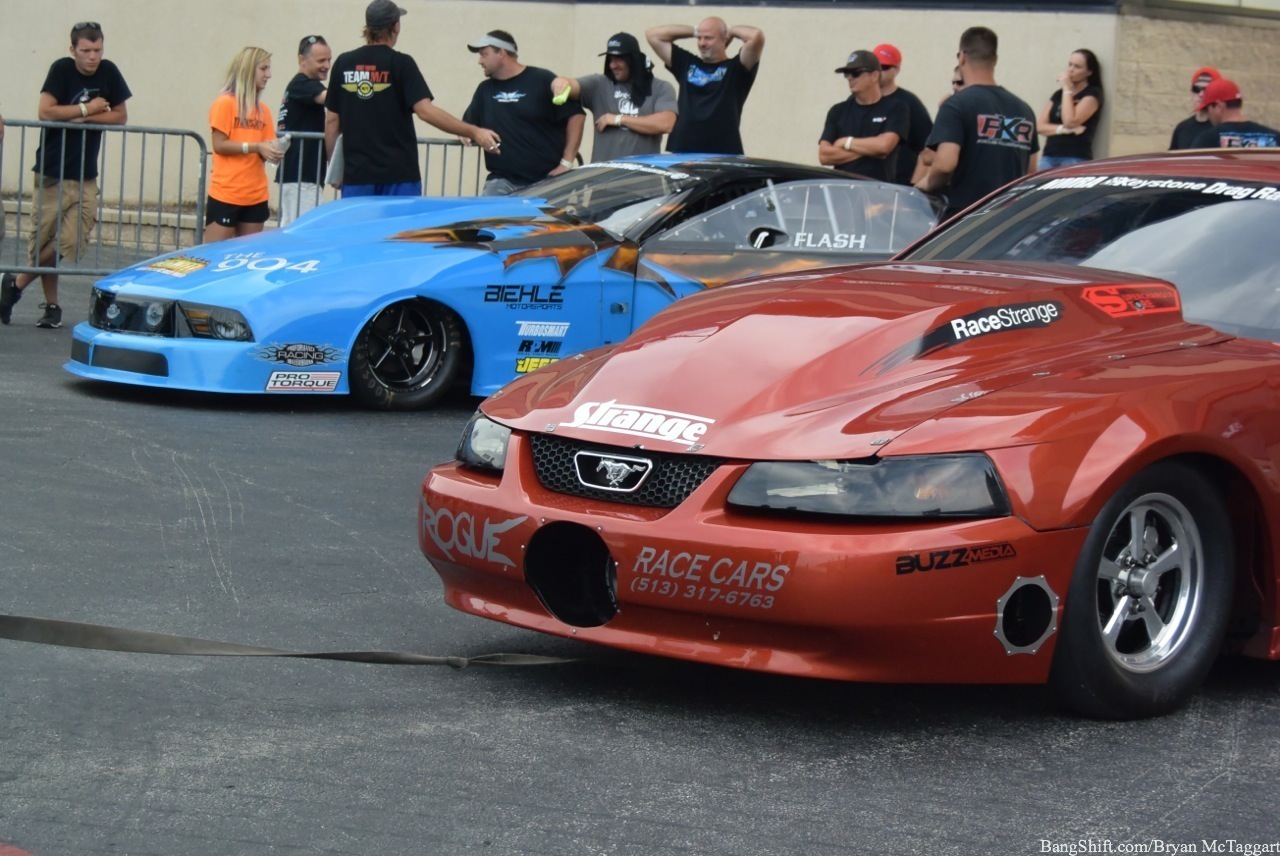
(9, 295)
(52, 316)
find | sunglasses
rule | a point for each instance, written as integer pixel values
(1196, 90)
(856, 73)
(957, 83)
(87, 25)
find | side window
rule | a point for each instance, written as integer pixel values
(815, 216)
(699, 209)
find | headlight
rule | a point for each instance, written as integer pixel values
(909, 486)
(214, 322)
(484, 443)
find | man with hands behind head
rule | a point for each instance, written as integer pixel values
(713, 86)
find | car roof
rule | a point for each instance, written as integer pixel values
(1246, 164)
(717, 168)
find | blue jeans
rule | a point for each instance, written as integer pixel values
(1050, 161)
(403, 188)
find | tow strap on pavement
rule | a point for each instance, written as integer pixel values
(74, 634)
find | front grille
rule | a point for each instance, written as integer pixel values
(674, 477)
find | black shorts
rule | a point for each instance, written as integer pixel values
(225, 214)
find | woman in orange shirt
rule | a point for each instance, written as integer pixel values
(244, 141)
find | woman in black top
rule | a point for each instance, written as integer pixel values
(1070, 119)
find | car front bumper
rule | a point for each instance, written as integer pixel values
(920, 601)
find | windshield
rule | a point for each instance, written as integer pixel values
(615, 196)
(1215, 240)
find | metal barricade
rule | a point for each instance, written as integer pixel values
(152, 189)
(150, 197)
(448, 169)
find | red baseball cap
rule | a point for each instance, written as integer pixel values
(1217, 91)
(1205, 76)
(888, 55)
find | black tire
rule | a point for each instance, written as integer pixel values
(1139, 635)
(407, 356)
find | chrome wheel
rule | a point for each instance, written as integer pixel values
(1150, 582)
(1150, 596)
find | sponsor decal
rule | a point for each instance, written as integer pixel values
(365, 80)
(463, 534)
(178, 265)
(542, 329)
(531, 346)
(524, 365)
(526, 296)
(300, 354)
(1120, 301)
(994, 128)
(957, 557)
(830, 242)
(637, 421)
(303, 382)
(1129, 182)
(1015, 317)
(266, 264)
(620, 473)
(686, 575)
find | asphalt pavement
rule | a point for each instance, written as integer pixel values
(290, 523)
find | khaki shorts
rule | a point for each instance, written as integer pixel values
(65, 212)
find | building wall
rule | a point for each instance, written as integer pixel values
(1150, 89)
(174, 55)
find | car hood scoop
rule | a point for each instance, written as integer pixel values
(837, 363)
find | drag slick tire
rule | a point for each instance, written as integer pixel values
(1149, 600)
(407, 356)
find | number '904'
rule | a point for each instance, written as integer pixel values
(268, 264)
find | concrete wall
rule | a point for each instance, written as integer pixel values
(174, 54)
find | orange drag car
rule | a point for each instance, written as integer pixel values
(1042, 445)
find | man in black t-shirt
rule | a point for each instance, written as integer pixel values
(862, 132)
(539, 137)
(82, 88)
(1186, 131)
(984, 136)
(1223, 102)
(713, 86)
(374, 93)
(302, 109)
(920, 123)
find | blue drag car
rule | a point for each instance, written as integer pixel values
(395, 300)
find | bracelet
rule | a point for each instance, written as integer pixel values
(848, 144)
(244, 147)
(566, 164)
(1060, 130)
(617, 120)
(84, 111)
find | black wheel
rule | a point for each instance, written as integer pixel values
(407, 356)
(1149, 602)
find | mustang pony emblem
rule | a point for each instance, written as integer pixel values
(616, 471)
